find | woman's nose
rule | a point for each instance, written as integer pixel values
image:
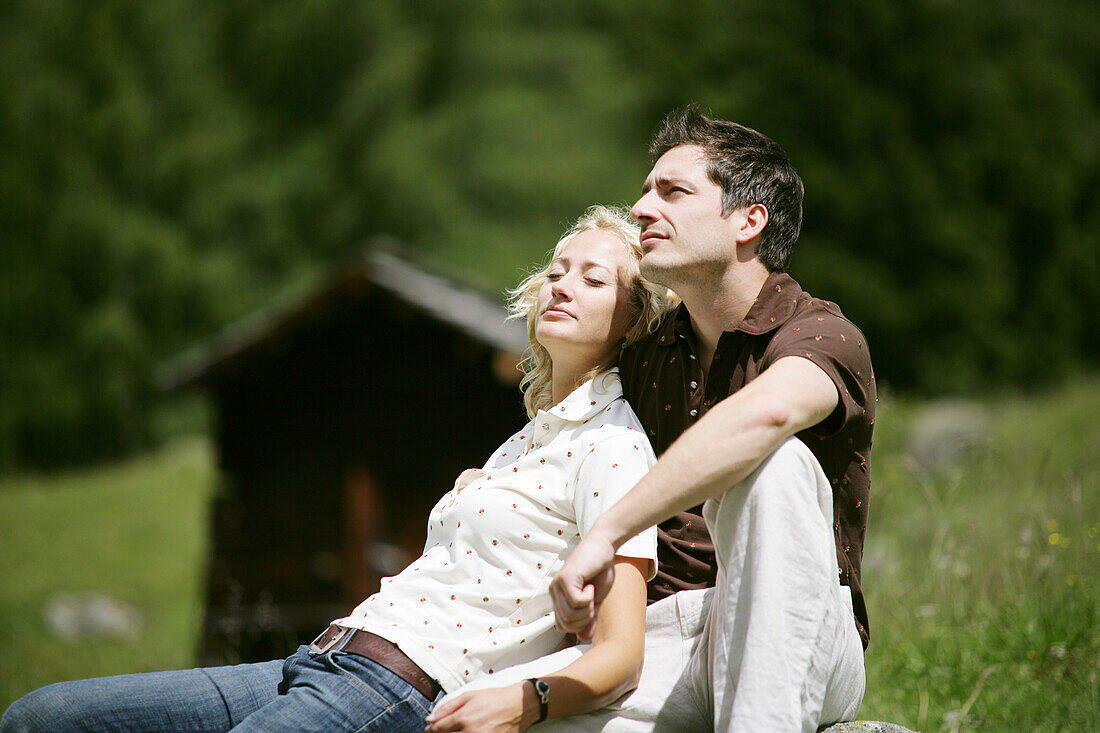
(558, 288)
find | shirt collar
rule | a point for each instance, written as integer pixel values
(773, 306)
(588, 399)
(771, 309)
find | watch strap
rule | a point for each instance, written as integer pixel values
(542, 692)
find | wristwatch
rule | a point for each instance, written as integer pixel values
(542, 689)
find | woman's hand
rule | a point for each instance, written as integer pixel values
(503, 710)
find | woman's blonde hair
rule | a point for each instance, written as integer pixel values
(648, 302)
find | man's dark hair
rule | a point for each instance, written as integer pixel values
(749, 167)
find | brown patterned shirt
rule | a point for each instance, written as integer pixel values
(668, 390)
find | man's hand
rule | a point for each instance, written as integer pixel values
(582, 584)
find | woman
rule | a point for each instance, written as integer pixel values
(476, 601)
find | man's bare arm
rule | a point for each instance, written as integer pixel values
(718, 452)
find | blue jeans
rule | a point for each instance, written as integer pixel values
(333, 691)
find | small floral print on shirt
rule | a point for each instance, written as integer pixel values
(511, 575)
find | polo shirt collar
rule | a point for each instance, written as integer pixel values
(588, 399)
(773, 306)
(771, 309)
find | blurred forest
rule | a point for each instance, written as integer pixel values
(167, 167)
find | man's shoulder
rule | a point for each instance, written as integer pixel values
(816, 319)
(816, 329)
(810, 306)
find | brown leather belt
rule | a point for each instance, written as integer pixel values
(379, 650)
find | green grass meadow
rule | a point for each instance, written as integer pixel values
(981, 578)
(135, 532)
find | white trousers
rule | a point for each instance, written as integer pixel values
(772, 647)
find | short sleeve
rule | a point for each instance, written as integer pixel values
(610, 469)
(839, 348)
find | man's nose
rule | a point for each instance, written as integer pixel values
(642, 211)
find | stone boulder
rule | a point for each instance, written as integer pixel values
(866, 726)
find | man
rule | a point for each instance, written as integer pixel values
(748, 361)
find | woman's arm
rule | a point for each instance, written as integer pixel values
(602, 675)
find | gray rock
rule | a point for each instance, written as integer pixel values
(944, 432)
(79, 615)
(866, 726)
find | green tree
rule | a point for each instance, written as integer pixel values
(167, 167)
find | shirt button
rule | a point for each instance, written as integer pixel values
(694, 384)
(546, 426)
(693, 413)
(691, 356)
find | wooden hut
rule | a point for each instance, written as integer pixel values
(341, 419)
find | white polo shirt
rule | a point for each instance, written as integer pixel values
(478, 599)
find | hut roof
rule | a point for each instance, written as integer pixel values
(375, 267)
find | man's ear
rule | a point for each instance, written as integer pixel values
(752, 221)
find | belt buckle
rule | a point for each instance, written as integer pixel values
(315, 648)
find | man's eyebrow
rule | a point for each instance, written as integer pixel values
(663, 181)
